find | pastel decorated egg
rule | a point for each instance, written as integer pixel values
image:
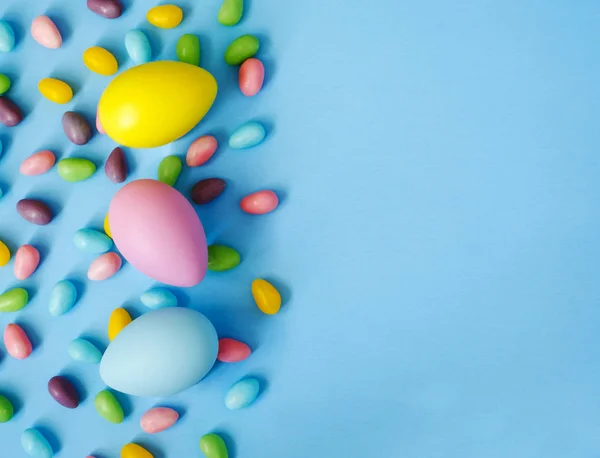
(158, 232)
(155, 103)
(160, 353)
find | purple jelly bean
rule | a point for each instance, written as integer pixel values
(34, 211)
(63, 392)
(110, 9)
(76, 128)
(10, 114)
(207, 190)
(116, 166)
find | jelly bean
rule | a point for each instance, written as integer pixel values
(4, 254)
(27, 260)
(110, 9)
(115, 167)
(62, 298)
(222, 258)
(247, 135)
(213, 446)
(84, 351)
(242, 393)
(7, 37)
(6, 409)
(231, 12)
(10, 114)
(76, 128)
(201, 150)
(75, 169)
(62, 391)
(138, 46)
(188, 49)
(108, 407)
(232, 351)
(260, 202)
(158, 419)
(251, 77)
(119, 318)
(157, 298)
(92, 241)
(106, 226)
(35, 444)
(266, 296)
(241, 48)
(99, 127)
(104, 266)
(45, 32)
(38, 163)
(13, 300)
(4, 83)
(16, 341)
(132, 450)
(34, 211)
(169, 170)
(207, 190)
(165, 16)
(100, 61)
(55, 90)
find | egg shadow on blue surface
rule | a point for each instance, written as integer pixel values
(47, 431)
(74, 379)
(206, 49)
(101, 454)
(124, 401)
(96, 340)
(6, 141)
(113, 42)
(68, 77)
(149, 445)
(132, 165)
(180, 409)
(80, 286)
(32, 333)
(14, 397)
(270, 70)
(229, 442)
(156, 42)
(40, 243)
(183, 299)
(262, 383)
(134, 310)
(269, 126)
(57, 13)
(281, 286)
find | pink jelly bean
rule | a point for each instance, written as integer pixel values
(232, 351)
(104, 266)
(27, 260)
(45, 32)
(16, 341)
(158, 419)
(38, 163)
(99, 127)
(201, 150)
(251, 77)
(260, 202)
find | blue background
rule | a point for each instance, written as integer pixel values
(437, 246)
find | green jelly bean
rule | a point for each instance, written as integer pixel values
(169, 170)
(6, 409)
(241, 49)
(231, 12)
(4, 83)
(213, 446)
(188, 49)
(75, 169)
(13, 300)
(108, 407)
(222, 258)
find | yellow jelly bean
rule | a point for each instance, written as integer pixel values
(4, 254)
(267, 298)
(100, 61)
(107, 227)
(135, 451)
(165, 16)
(119, 318)
(56, 91)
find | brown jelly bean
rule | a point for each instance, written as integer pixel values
(207, 190)
(116, 166)
(10, 114)
(34, 211)
(63, 392)
(110, 9)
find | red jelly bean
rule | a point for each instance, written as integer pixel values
(232, 351)
(259, 203)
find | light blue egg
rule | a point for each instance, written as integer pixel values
(138, 46)
(157, 298)
(62, 298)
(84, 351)
(247, 135)
(92, 241)
(160, 353)
(7, 37)
(242, 394)
(35, 444)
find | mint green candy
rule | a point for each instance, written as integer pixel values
(188, 49)
(231, 12)
(222, 258)
(75, 169)
(241, 49)
(6, 409)
(169, 170)
(213, 446)
(4, 83)
(13, 300)
(108, 407)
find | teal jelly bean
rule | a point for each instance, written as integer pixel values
(92, 241)
(35, 444)
(247, 135)
(242, 394)
(138, 46)
(157, 298)
(231, 12)
(62, 298)
(7, 37)
(84, 351)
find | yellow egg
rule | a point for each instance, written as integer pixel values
(165, 16)
(107, 227)
(119, 318)
(267, 298)
(4, 254)
(155, 103)
(100, 61)
(56, 91)
(135, 451)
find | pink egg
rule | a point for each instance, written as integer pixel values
(232, 351)
(158, 419)
(99, 127)
(16, 341)
(260, 202)
(157, 230)
(201, 150)
(251, 76)
(45, 32)
(104, 266)
(27, 260)
(38, 163)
